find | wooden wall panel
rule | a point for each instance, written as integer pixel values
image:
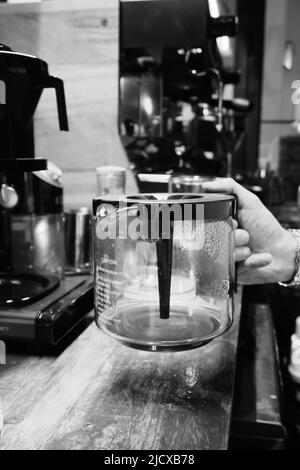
(277, 109)
(293, 35)
(80, 42)
(275, 32)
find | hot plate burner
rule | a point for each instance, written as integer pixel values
(22, 289)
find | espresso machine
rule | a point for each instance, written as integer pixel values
(37, 303)
(173, 116)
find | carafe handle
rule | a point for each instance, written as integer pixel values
(58, 85)
(235, 208)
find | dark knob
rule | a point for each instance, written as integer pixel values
(223, 26)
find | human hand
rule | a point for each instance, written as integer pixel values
(265, 250)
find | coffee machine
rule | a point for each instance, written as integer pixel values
(37, 303)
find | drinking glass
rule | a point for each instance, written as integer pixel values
(111, 180)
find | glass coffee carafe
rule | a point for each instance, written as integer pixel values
(164, 269)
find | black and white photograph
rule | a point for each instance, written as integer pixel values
(149, 228)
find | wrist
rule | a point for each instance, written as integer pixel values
(288, 265)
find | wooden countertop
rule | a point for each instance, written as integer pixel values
(99, 394)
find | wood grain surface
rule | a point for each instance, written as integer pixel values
(80, 43)
(100, 394)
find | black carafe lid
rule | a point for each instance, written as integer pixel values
(215, 206)
(15, 61)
